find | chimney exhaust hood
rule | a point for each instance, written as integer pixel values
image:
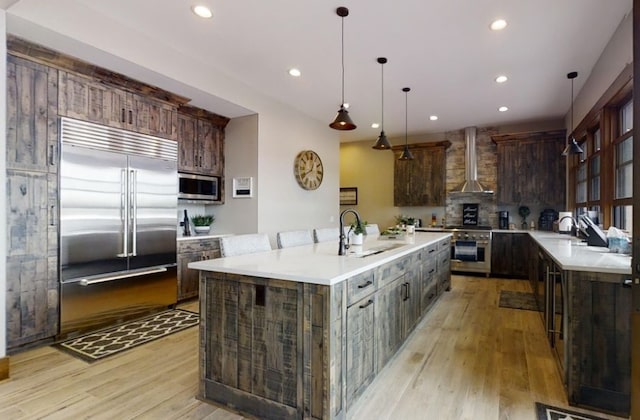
(471, 184)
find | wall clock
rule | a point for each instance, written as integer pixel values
(308, 169)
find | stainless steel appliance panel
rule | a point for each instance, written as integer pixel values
(153, 215)
(92, 219)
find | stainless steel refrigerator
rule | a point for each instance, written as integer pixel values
(118, 223)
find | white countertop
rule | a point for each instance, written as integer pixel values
(573, 255)
(318, 263)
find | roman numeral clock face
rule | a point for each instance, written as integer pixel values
(308, 169)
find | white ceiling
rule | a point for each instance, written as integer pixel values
(442, 49)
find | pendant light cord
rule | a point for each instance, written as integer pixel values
(342, 46)
(572, 108)
(382, 119)
(406, 116)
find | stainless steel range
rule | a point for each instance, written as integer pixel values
(471, 249)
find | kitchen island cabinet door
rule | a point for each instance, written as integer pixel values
(389, 321)
(190, 251)
(360, 346)
(510, 254)
(253, 344)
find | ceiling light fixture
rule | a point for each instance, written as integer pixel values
(342, 120)
(375, 125)
(202, 11)
(433, 118)
(406, 153)
(503, 109)
(294, 72)
(573, 148)
(501, 79)
(382, 143)
(498, 25)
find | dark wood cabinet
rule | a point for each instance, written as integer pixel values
(421, 181)
(32, 202)
(510, 254)
(201, 142)
(191, 250)
(531, 169)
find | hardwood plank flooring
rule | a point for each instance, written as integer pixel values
(467, 359)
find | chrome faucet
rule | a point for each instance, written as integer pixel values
(341, 246)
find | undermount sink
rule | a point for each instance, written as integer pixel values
(361, 253)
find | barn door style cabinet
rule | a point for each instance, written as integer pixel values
(531, 169)
(421, 181)
(32, 205)
(190, 250)
(201, 138)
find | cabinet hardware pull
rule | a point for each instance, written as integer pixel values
(53, 216)
(51, 163)
(130, 117)
(369, 302)
(408, 290)
(431, 295)
(432, 270)
(367, 284)
(123, 115)
(432, 251)
(627, 283)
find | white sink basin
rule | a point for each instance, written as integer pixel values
(358, 252)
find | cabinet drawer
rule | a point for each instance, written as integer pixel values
(429, 296)
(444, 262)
(444, 244)
(429, 269)
(431, 250)
(198, 245)
(360, 286)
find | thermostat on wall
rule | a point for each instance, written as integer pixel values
(243, 187)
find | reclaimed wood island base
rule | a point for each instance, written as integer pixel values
(301, 332)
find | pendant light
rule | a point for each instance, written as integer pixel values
(406, 153)
(342, 120)
(382, 143)
(573, 148)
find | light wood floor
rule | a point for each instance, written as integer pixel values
(467, 359)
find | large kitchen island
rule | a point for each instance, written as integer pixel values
(301, 332)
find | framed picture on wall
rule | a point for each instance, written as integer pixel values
(349, 196)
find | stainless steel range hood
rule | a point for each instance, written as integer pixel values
(471, 184)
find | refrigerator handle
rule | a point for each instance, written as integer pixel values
(134, 215)
(124, 213)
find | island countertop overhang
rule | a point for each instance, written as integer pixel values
(318, 263)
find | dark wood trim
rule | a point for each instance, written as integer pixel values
(216, 119)
(635, 305)
(530, 135)
(619, 89)
(34, 52)
(4, 368)
(445, 143)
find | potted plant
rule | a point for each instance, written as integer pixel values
(202, 222)
(357, 233)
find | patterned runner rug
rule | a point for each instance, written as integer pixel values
(547, 412)
(518, 300)
(107, 342)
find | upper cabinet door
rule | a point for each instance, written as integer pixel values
(200, 146)
(32, 128)
(187, 141)
(421, 181)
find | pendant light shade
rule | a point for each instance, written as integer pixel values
(573, 148)
(342, 120)
(382, 143)
(406, 153)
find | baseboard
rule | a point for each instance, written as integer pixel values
(4, 368)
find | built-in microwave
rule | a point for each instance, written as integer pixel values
(198, 188)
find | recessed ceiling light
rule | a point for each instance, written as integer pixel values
(346, 105)
(498, 25)
(202, 11)
(375, 125)
(294, 72)
(502, 78)
(433, 117)
(503, 109)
